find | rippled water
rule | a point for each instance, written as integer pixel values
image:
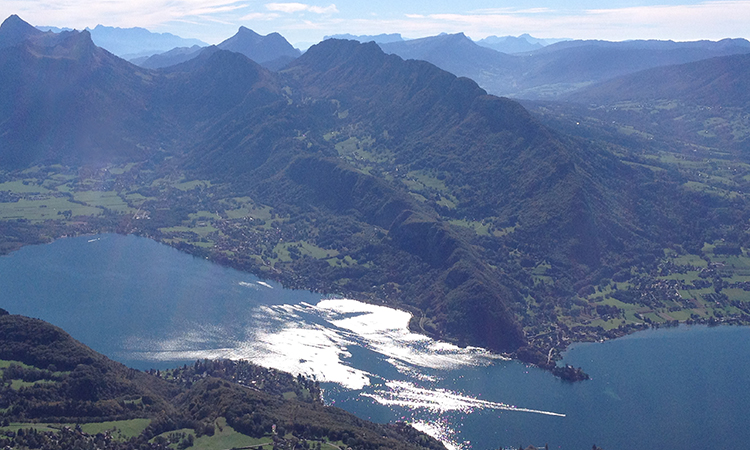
(148, 305)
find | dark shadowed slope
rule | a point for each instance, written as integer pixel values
(82, 385)
(14, 31)
(62, 98)
(515, 167)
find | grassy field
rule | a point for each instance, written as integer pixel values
(43, 427)
(224, 437)
(7, 363)
(45, 209)
(123, 429)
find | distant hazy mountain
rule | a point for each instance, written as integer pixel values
(651, 44)
(175, 56)
(130, 43)
(261, 49)
(379, 39)
(272, 51)
(457, 54)
(559, 68)
(53, 29)
(511, 44)
(716, 82)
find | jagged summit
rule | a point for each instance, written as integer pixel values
(260, 49)
(66, 44)
(15, 30)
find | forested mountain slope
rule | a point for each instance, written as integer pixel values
(351, 172)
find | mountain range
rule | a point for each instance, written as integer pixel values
(713, 81)
(271, 51)
(129, 43)
(132, 43)
(557, 69)
(513, 44)
(457, 205)
(380, 38)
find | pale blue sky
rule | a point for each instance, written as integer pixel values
(308, 21)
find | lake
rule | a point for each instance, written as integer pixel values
(148, 305)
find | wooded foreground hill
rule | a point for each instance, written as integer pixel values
(49, 378)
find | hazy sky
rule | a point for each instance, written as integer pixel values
(215, 20)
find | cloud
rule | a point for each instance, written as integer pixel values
(142, 13)
(299, 7)
(707, 20)
(258, 16)
(214, 20)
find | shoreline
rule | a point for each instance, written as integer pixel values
(543, 357)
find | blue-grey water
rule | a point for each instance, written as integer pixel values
(148, 305)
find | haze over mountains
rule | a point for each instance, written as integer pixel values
(443, 197)
(129, 43)
(714, 81)
(556, 69)
(271, 51)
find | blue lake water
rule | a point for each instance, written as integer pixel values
(148, 305)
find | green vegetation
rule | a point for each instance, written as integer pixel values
(123, 429)
(423, 193)
(211, 405)
(224, 437)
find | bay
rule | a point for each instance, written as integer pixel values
(148, 305)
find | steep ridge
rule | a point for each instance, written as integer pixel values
(260, 150)
(261, 49)
(515, 166)
(272, 51)
(204, 90)
(64, 99)
(14, 30)
(281, 140)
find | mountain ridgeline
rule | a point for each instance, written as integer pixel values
(558, 69)
(413, 186)
(271, 51)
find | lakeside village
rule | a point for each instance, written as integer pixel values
(202, 219)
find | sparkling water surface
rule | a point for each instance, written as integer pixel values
(148, 305)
